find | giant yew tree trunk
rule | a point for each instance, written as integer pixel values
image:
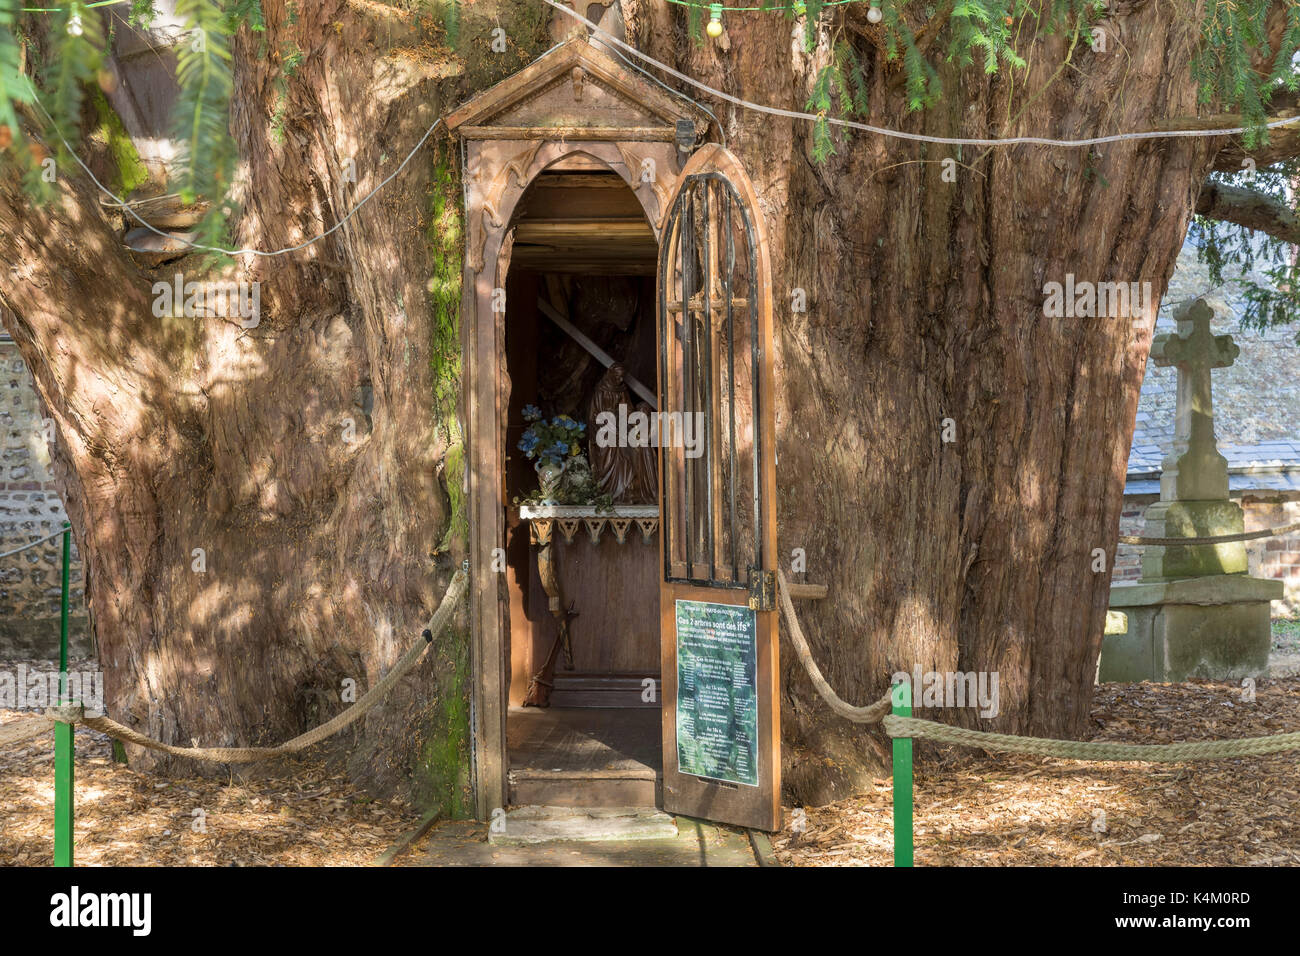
(925, 304)
(324, 556)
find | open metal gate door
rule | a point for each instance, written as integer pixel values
(717, 497)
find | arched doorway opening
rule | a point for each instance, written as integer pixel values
(580, 297)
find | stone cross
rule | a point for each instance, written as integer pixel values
(1194, 471)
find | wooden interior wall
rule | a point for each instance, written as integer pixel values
(614, 588)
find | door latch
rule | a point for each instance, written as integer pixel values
(762, 590)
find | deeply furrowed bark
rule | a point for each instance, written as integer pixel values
(925, 304)
(323, 555)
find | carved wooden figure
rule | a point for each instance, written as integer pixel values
(627, 474)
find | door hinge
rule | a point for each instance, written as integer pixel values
(685, 136)
(762, 590)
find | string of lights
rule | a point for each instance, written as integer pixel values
(798, 7)
(915, 137)
(716, 10)
(615, 42)
(126, 207)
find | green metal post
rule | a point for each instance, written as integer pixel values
(63, 738)
(902, 707)
(63, 611)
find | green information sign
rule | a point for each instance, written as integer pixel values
(717, 692)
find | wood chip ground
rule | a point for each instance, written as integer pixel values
(978, 809)
(972, 808)
(300, 812)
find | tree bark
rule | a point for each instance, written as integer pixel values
(323, 555)
(1249, 208)
(925, 305)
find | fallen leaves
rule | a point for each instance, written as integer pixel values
(297, 812)
(971, 808)
(977, 809)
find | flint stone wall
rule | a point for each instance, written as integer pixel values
(30, 507)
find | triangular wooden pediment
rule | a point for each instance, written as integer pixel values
(576, 91)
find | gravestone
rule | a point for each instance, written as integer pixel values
(1194, 480)
(1195, 612)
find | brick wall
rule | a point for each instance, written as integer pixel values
(1277, 558)
(30, 507)
(1128, 558)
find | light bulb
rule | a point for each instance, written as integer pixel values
(714, 29)
(874, 15)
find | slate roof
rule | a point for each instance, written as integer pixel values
(1256, 400)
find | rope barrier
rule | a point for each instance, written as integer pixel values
(899, 727)
(1215, 539)
(31, 544)
(870, 714)
(24, 730)
(74, 713)
(902, 728)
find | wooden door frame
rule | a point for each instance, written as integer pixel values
(497, 173)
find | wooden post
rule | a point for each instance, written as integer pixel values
(63, 733)
(902, 707)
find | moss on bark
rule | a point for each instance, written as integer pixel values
(129, 170)
(441, 780)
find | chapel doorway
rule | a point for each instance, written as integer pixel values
(578, 170)
(583, 718)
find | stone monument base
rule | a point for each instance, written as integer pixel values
(1215, 627)
(1193, 519)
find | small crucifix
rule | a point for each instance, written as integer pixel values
(1194, 470)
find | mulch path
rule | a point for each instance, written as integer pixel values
(980, 809)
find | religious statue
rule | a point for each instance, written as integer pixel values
(627, 474)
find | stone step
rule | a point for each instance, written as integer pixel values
(630, 787)
(533, 824)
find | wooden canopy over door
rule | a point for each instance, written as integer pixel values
(718, 621)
